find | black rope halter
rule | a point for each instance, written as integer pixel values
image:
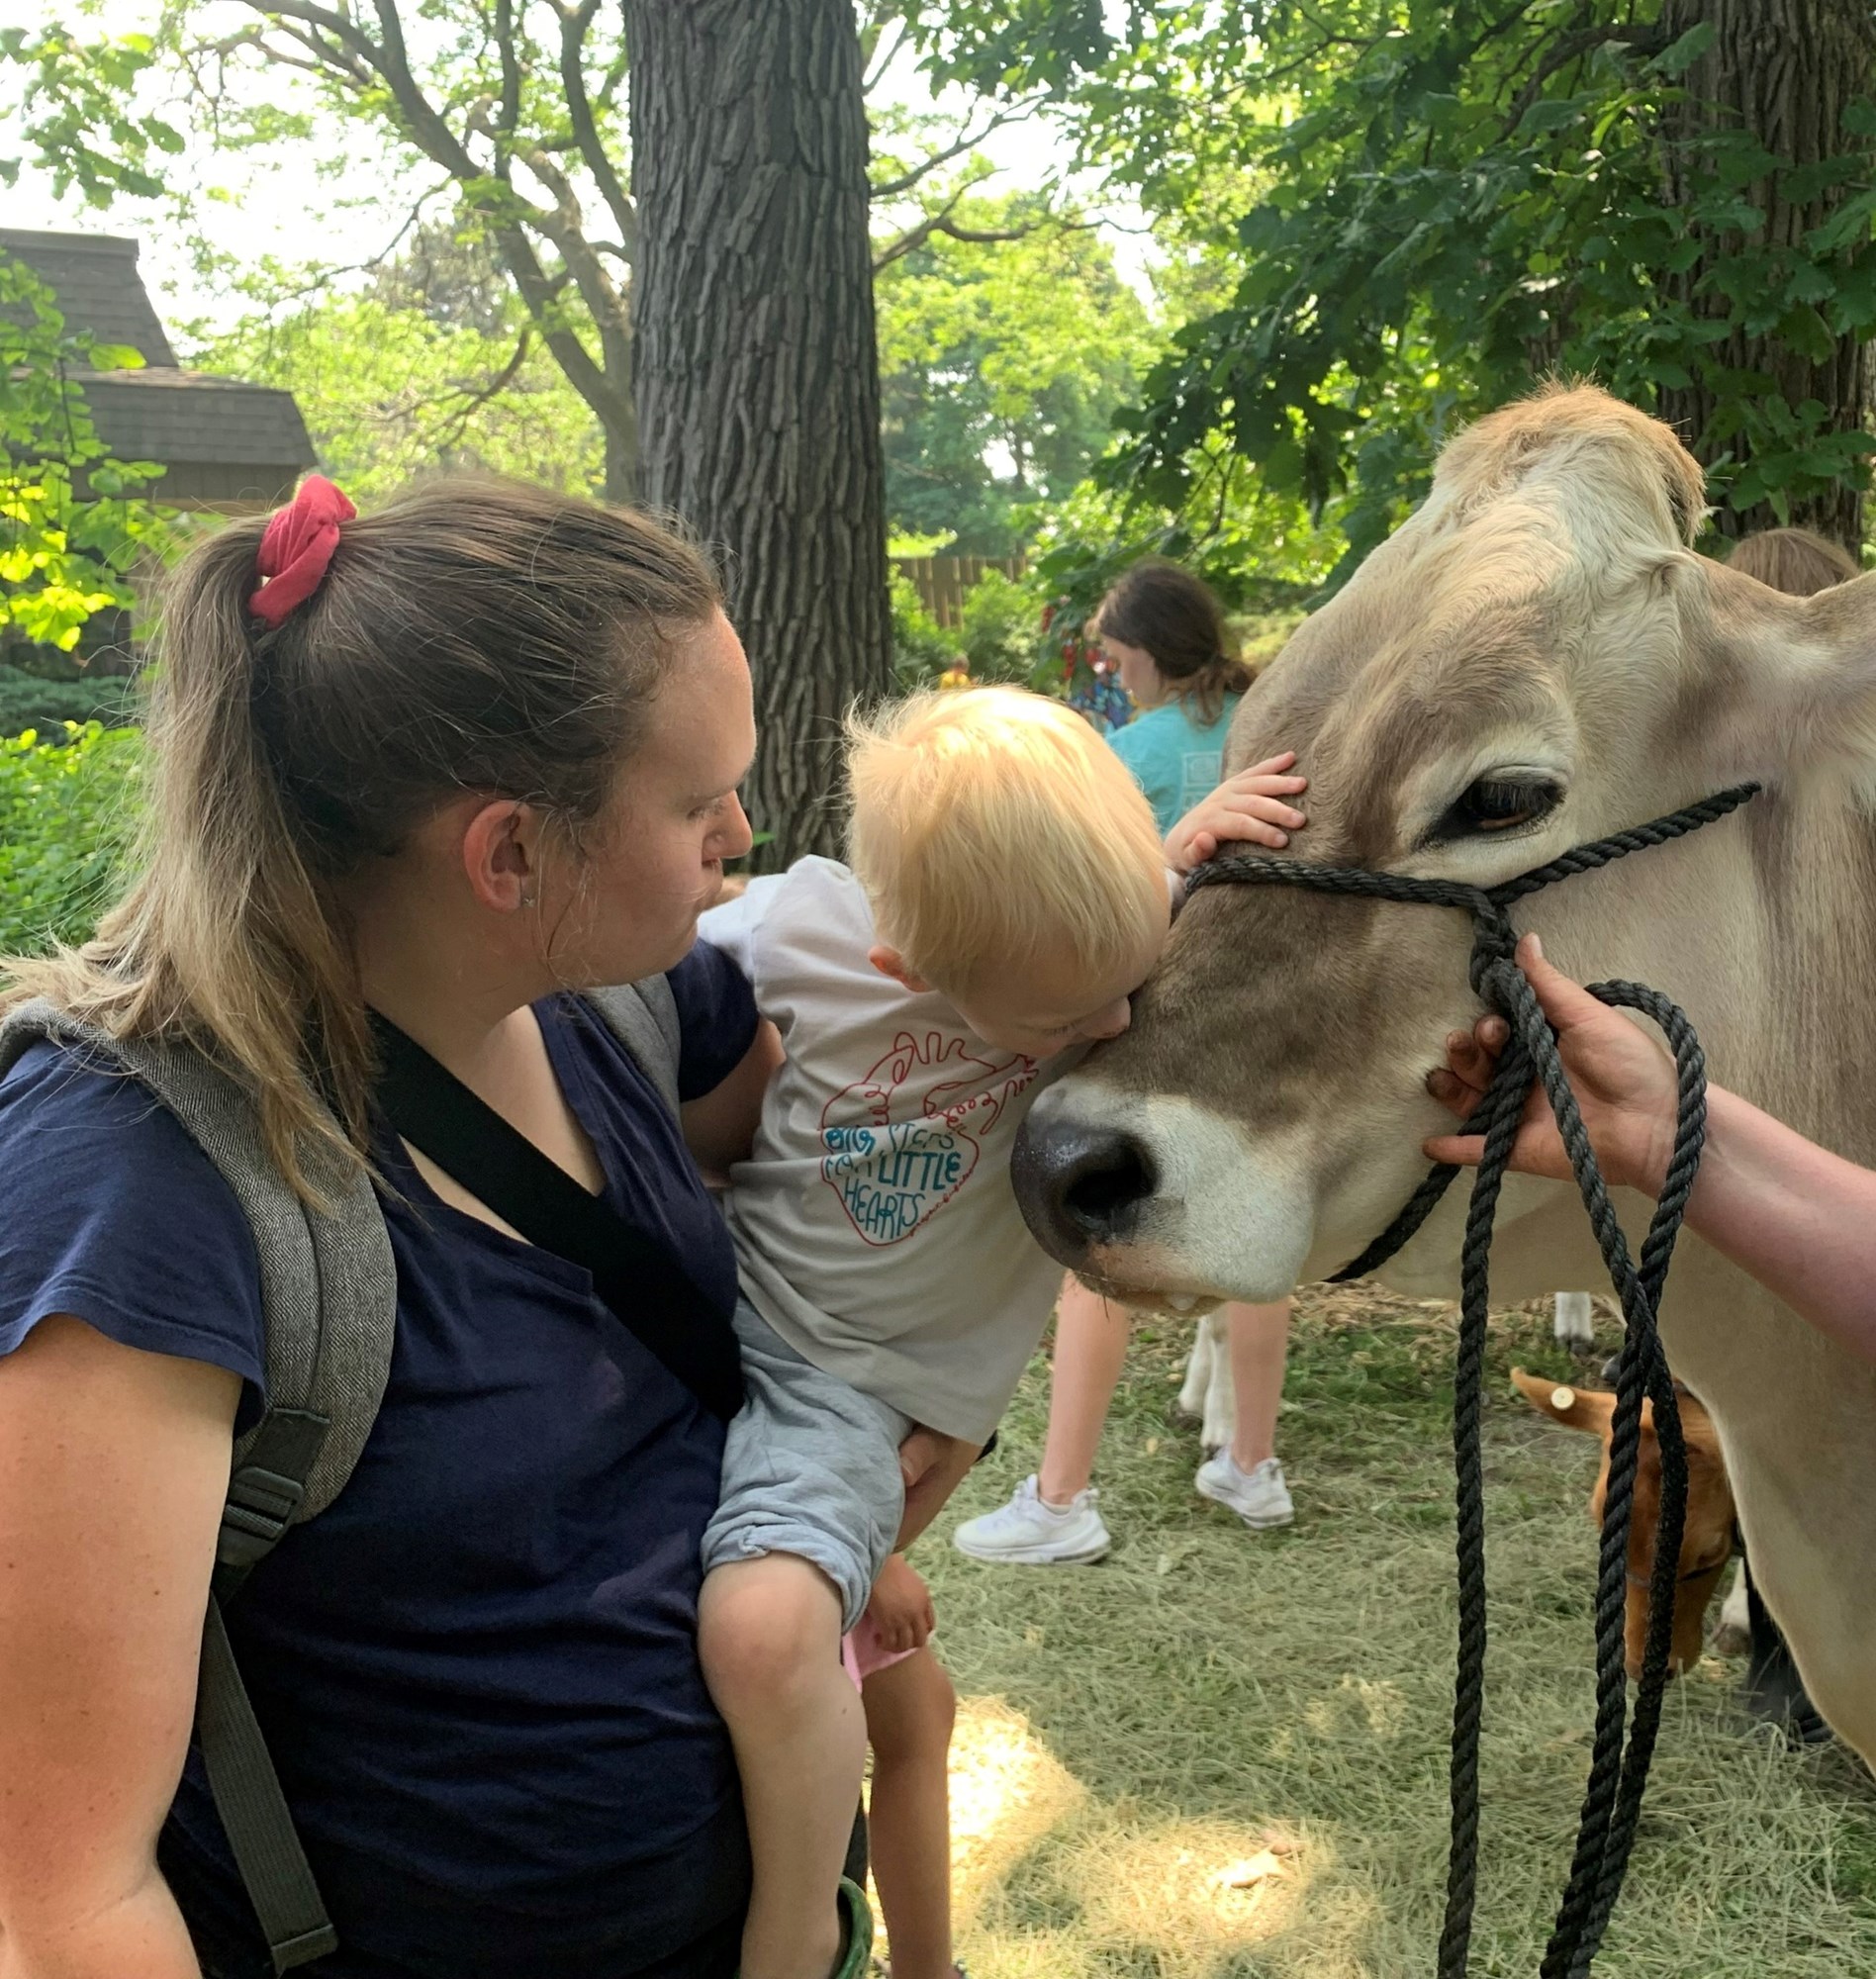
(1611, 1802)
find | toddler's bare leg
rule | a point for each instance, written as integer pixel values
(910, 1707)
(769, 1635)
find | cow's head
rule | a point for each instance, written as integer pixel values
(1534, 659)
(1706, 1536)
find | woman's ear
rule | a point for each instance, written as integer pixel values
(501, 854)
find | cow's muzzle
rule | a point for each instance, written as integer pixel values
(1079, 1182)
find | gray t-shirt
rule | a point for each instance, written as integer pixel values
(874, 1222)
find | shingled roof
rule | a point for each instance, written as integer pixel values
(100, 293)
(225, 444)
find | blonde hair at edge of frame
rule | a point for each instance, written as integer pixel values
(993, 826)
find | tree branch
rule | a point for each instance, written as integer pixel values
(882, 62)
(967, 140)
(941, 223)
(510, 113)
(1639, 40)
(473, 402)
(574, 23)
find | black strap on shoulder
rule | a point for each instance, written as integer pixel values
(263, 1495)
(254, 1811)
(652, 1294)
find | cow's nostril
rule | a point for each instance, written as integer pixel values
(1078, 1182)
(1111, 1182)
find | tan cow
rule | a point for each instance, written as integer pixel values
(1534, 659)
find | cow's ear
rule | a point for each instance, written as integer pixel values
(1576, 1408)
(1798, 673)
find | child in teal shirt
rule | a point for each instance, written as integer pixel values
(1163, 629)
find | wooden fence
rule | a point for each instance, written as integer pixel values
(941, 582)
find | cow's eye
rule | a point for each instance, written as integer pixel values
(1501, 802)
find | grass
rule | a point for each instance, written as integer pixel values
(1131, 1730)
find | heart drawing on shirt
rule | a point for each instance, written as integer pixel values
(905, 1139)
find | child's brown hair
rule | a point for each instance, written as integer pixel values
(1798, 561)
(1169, 613)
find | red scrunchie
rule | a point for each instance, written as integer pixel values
(297, 548)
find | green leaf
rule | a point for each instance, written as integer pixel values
(116, 358)
(1681, 54)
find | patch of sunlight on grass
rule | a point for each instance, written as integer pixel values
(1051, 1882)
(1007, 1792)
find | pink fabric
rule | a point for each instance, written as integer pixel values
(297, 548)
(860, 1652)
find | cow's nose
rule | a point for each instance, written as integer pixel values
(1078, 1180)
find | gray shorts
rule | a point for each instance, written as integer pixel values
(810, 1467)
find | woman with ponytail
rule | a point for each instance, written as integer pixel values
(448, 764)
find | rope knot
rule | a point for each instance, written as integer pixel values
(1494, 948)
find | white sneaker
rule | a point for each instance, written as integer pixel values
(1029, 1533)
(1259, 1497)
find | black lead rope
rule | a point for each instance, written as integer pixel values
(1617, 1776)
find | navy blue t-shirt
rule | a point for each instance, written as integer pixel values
(476, 1672)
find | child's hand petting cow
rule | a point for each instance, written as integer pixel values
(1249, 805)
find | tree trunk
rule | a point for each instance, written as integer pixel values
(1782, 71)
(755, 372)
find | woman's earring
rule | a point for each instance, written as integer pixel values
(527, 899)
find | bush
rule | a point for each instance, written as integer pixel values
(921, 648)
(68, 810)
(1002, 629)
(29, 702)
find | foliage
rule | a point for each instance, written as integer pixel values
(1263, 553)
(72, 529)
(922, 649)
(429, 366)
(1442, 201)
(510, 122)
(1002, 629)
(994, 391)
(29, 701)
(67, 812)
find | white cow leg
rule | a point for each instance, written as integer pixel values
(1576, 1322)
(1733, 1634)
(1191, 1402)
(1207, 1394)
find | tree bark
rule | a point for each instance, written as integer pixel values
(1782, 71)
(755, 372)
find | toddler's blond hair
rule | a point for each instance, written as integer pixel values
(992, 824)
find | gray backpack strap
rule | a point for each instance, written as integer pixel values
(329, 1302)
(643, 1016)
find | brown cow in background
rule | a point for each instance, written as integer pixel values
(1709, 1539)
